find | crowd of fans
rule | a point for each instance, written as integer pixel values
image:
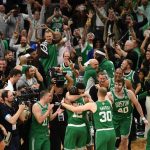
(49, 46)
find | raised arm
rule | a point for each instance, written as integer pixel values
(89, 106)
(29, 2)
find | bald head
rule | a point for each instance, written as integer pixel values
(94, 63)
(129, 45)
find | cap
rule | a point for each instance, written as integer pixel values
(34, 46)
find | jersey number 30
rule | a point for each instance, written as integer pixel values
(105, 116)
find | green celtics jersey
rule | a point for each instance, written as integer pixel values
(69, 72)
(67, 69)
(111, 84)
(37, 129)
(103, 115)
(77, 118)
(122, 107)
(57, 24)
(130, 77)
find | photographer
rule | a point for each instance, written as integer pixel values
(9, 118)
(58, 125)
(3, 131)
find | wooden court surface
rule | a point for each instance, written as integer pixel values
(139, 144)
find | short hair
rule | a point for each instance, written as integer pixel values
(43, 93)
(103, 73)
(4, 94)
(129, 62)
(80, 85)
(102, 91)
(7, 52)
(48, 31)
(27, 69)
(66, 52)
(14, 72)
(121, 80)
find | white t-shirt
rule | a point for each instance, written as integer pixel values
(9, 86)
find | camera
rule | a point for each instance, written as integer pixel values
(59, 77)
(1, 73)
(28, 96)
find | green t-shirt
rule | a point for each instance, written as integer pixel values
(103, 115)
(5, 44)
(37, 129)
(108, 66)
(89, 73)
(51, 60)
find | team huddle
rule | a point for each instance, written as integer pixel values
(111, 117)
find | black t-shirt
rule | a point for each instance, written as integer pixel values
(133, 56)
(57, 98)
(93, 93)
(5, 112)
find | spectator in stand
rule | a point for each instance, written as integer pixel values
(37, 19)
(3, 45)
(19, 48)
(14, 76)
(128, 52)
(146, 62)
(145, 9)
(3, 78)
(28, 79)
(11, 63)
(11, 19)
(3, 25)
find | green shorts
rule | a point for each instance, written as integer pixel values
(75, 137)
(122, 126)
(105, 139)
(39, 143)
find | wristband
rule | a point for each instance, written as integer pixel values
(143, 118)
